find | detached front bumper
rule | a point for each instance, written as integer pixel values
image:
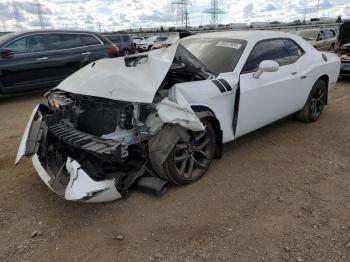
(80, 186)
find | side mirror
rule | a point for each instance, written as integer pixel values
(266, 66)
(6, 53)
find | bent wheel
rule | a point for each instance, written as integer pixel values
(315, 104)
(189, 161)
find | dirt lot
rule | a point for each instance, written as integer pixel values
(279, 194)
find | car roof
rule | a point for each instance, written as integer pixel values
(248, 35)
(25, 32)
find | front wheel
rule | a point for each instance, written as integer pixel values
(189, 161)
(315, 103)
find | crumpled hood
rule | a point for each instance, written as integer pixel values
(111, 78)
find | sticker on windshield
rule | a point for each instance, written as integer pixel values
(229, 44)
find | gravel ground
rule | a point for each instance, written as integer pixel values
(279, 194)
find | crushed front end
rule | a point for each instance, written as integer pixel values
(86, 148)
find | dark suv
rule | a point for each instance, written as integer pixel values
(123, 41)
(35, 60)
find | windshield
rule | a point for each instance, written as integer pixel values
(308, 35)
(212, 55)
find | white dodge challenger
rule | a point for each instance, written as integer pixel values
(159, 118)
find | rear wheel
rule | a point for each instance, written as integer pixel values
(315, 103)
(189, 161)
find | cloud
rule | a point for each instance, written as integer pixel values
(121, 14)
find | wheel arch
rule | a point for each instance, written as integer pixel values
(208, 114)
(325, 78)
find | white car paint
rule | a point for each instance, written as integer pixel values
(110, 78)
(82, 188)
(262, 100)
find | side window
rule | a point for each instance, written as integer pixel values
(89, 40)
(115, 39)
(320, 36)
(64, 41)
(267, 50)
(28, 44)
(126, 38)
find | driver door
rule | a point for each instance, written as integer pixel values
(273, 95)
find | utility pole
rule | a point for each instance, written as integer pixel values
(182, 9)
(318, 4)
(3, 24)
(214, 12)
(16, 15)
(39, 7)
(99, 26)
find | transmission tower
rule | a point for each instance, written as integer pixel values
(16, 15)
(39, 7)
(214, 12)
(182, 11)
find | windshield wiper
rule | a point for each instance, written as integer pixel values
(206, 71)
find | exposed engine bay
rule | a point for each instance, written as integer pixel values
(108, 138)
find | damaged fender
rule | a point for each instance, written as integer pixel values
(179, 113)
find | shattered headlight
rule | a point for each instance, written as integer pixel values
(56, 101)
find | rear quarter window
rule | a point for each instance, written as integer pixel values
(88, 40)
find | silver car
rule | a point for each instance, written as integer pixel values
(323, 39)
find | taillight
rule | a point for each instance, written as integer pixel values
(114, 51)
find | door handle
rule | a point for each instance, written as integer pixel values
(303, 77)
(294, 73)
(42, 58)
(86, 53)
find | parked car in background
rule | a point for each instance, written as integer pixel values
(344, 49)
(149, 42)
(123, 41)
(173, 38)
(137, 39)
(323, 39)
(35, 60)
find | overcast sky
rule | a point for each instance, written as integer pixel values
(123, 14)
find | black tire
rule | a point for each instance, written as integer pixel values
(188, 162)
(315, 104)
(125, 51)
